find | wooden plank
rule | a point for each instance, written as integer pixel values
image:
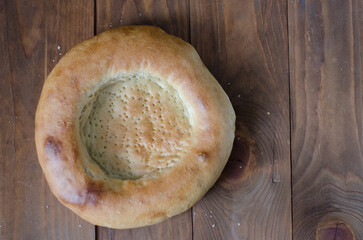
(173, 17)
(326, 54)
(244, 44)
(30, 34)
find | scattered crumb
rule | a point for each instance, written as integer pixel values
(52, 60)
(261, 153)
(46, 206)
(276, 179)
(121, 20)
(194, 213)
(268, 113)
(213, 225)
(240, 166)
(110, 24)
(59, 47)
(210, 216)
(139, 14)
(80, 225)
(238, 138)
(229, 83)
(239, 95)
(239, 224)
(60, 54)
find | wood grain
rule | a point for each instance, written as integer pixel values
(173, 17)
(244, 44)
(170, 15)
(252, 47)
(30, 34)
(326, 50)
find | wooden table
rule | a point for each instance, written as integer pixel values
(293, 70)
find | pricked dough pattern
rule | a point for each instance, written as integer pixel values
(136, 125)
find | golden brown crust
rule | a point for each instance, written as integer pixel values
(126, 203)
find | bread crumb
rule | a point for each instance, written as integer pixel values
(46, 206)
(229, 83)
(213, 225)
(239, 95)
(59, 47)
(240, 166)
(139, 14)
(268, 113)
(80, 225)
(239, 224)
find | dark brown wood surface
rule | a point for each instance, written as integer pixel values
(244, 44)
(31, 33)
(293, 70)
(326, 54)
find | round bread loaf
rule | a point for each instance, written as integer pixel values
(131, 128)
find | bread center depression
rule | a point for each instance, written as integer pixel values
(135, 125)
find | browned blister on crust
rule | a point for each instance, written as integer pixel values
(131, 128)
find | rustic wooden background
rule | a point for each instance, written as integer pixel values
(293, 70)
